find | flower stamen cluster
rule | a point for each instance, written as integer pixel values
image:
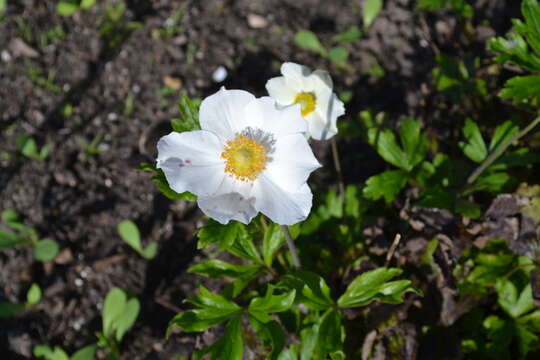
(244, 157)
(307, 102)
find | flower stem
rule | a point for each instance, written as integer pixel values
(499, 150)
(292, 248)
(337, 164)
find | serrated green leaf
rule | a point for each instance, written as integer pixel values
(338, 55)
(385, 185)
(514, 50)
(311, 289)
(307, 40)
(384, 142)
(260, 307)
(33, 295)
(243, 246)
(372, 285)
(272, 241)
(371, 9)
(490, 183)
(474, 146)
(216, 268)
(45, 250)
(350, 35)
(214, 232)
(531, 13)
(229, 347)
(324, 337)
(127, 318)
(189, 110)
(86, 353)
(213, 309)
(130, 234)
(503, 133)
(413, 141)
(521, 88)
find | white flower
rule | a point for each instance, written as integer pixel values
(313, 91)
(250, 156)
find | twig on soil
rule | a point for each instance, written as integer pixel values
(292, 248)
(337, 164)
(166, 304)
(392, 249)
(499, 151)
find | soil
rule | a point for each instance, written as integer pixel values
(78, 199)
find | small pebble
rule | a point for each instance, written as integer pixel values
(256, 21)
(219, 74)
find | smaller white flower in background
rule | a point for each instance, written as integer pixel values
(249, 156)
(313, 91)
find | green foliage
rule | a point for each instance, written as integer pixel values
(70, 7)
(371, 9)
(21, 234)
(307, 40)
(129, 232)
(350, 35)
(114, 27)
(461, 7)
(119, 313)
(57, 353)
(28, 147)
(229, 347)
(189, 110)
(33, 296)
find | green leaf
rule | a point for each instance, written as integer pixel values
(350, 35)
(307, 40)
(86, 353)
(384, 142)
(414, 143)
(513, 304)
(216, 268)
(214, 232)
(66, 8)
(370, 11)
(27, 146)
(150, 251)
(531, 13)
(324, 337)
(272, 241)
(8, 310)
(127, 318)
(45, 352)
(503, 133)
(189, 110)
(213, 310)
(229, 347)
(474, 146)
(468, 209)
(113, 308)
(311, 289)
(87, 4)
(260, 307)
(33, 295)
(521, 88)
(130, 234)
(9, 240)
(243, 246)
(45, 250)
(338, 55)
(514, 50)
(9, 216)
(385, 185)
(372, 285)
(490, 183)
(430, 5)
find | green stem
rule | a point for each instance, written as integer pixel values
(292, 248)
(499, 150)
(337, 164)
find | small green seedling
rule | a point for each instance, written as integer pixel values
(370, 11)
(131, 235)
(21, 234)
(91, 148)
(28, 147)
(119, 314)
(33, 296)
(307, 40)
(70, 7)
(57, 353)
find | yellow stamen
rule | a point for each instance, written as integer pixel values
(245, 158)
(307, 102)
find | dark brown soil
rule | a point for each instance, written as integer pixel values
(78, 200)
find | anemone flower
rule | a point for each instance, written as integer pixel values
(313, 91)
(249, 156)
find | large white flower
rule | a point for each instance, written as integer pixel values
(250, 156)
(313, 91)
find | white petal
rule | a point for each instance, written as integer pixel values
(319, 127)
(292, 162)
(322, 122)
(322, 79)
(281, 206)
(280, 91)
(223, 112)
(226, 207)
(191, 161)
(296, 76)
(278, 121)
(232, 200)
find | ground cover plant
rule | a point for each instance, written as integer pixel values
(270, 180)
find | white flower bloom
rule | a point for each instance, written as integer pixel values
(250, 156)
(313, 91)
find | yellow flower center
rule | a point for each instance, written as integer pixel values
(307, 102)
(245, 158)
